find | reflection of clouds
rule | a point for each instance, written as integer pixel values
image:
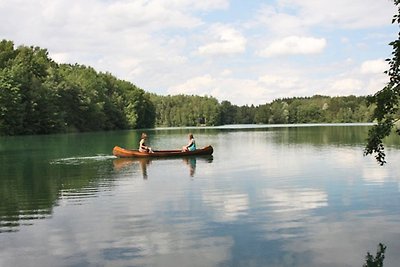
(375, 174)
(126, 226)
(346, 157)
(159, 222)
(228, 206)
(286, 211)
(296, 199)
(393, 166)
(182, 252)
(345, 241)
(168, 247)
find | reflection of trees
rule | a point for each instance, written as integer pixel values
(25, 193)
(323, 135)
(32, 188)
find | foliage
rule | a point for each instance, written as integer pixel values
(38, 96)
(387, 102)
(376, 261)
(185, 110)
(316, 109)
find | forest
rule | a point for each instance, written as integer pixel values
(40, 96)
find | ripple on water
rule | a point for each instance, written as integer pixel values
(81, 160)
(10, 222)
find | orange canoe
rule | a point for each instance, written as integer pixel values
(128, 153)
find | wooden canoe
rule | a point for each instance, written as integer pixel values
(128, 153)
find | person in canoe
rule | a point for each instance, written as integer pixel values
(191, 146)
(142, 144)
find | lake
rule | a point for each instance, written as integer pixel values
(299, 195)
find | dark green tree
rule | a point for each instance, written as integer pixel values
(7, 53)
(386, 101)
(32, 108)
(139, 110)
(11, 106)
(228, 112)
(186, 110)
(39, 96)
(262, 114)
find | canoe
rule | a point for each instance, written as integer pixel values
(129, 153)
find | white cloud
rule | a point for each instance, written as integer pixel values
(204, 4)
(240, 91)
(299, 15)
(224, 40)
(226, 72)
(60, 57)
(200, 47)
(153, 14)
(346, 86)
(374, 66)
(235, 90)
(281, 81)
(293, 45)
(195, 85)
(245, 91)
(279, 23)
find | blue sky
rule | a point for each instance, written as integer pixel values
(246, 52)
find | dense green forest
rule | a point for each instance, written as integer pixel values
(183, 110)
(40, 96)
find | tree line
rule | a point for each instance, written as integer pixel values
(39, 96)
(184, 110)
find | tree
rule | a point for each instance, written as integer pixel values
(262, 114)
(387, 102)
(279, 111)
(11, 106)
(227, 112)
(39, 96)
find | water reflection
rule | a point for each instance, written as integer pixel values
(191, 162)
(296, 199)
(279, 197)
(227, 207)
(11, 221)
(122, 164)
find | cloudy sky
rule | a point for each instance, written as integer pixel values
(246, 52)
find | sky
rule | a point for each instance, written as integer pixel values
(245, 52)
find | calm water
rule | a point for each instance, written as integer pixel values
(280, 196)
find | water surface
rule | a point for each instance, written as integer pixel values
(269, 196)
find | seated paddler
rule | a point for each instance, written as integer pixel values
(142, 144)
(191, 146)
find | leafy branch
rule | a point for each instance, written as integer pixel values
(387, 101)
(376, 261)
